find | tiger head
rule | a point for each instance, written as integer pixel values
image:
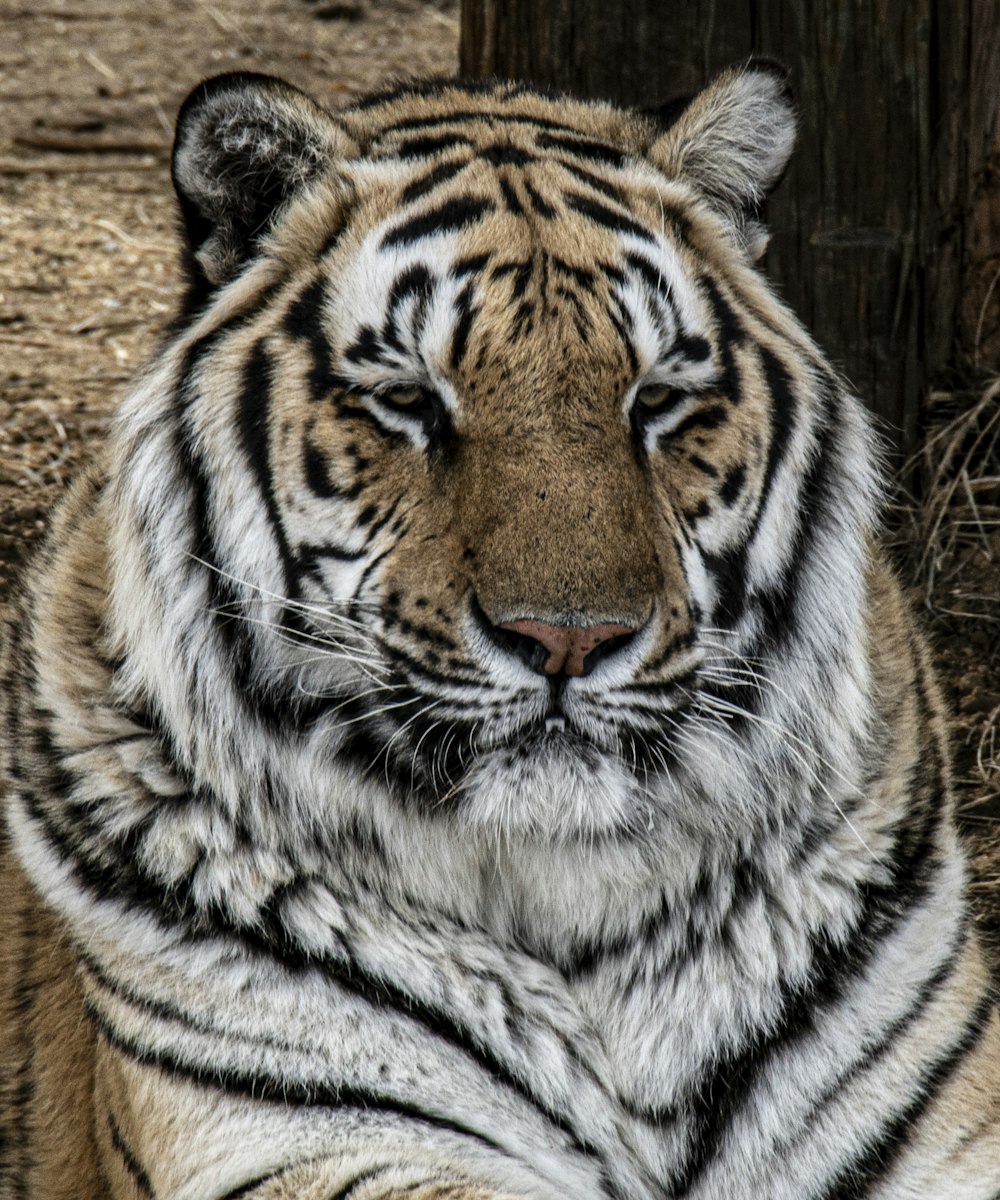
(485, 471)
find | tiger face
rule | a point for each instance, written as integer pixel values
(504, 459)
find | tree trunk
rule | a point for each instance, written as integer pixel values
(885, 231)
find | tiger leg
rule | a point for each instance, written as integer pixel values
(47, 1141)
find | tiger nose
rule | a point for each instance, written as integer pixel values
(569, 647)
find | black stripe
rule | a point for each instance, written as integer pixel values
(467, 312)
(304, 321)
(783, 413)
(307, 551)
(814, 517)
(427, 635)
(609, 218)
(580, 275)
(624, 331)
(730, 336)
(427, 183)
(472, 264)
(700, 464)
(495, 117)
(521, 272)
(594, 181)
(733, 484)
(367, 346)
(538, 202)
(132, 1164)
(729, 570)
(505, 154)
(890, 1036)
(366, 575)
(251, 1185)
(689, 346)
(511, 201)
(702, 418)
(342, 1193)
(586, 148)
(426, 147)
(414, 281)
(868, 1169)
(652, 276)
(453, 215)
(271, 1089)
(728, 1083)
(192, 475)
(253, 425)
(187, 455)
(611, 272)
(316, 470)
(581, 315)
(413, 670)
(366, 1176)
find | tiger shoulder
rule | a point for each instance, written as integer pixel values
(462, 737)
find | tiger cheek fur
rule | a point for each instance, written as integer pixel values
(463, 739)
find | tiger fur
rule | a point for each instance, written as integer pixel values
(463, 739)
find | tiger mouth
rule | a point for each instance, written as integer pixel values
(436, 766)
(552, 732)
(551, 750)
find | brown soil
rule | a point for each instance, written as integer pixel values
(88, 89)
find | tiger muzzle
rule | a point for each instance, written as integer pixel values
(564, 563)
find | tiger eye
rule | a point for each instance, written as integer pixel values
(412, 401)
(411, 397)
(658, 398)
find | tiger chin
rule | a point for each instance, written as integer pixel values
(462, 737)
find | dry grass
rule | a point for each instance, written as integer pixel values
(960, 517)
(949, 543)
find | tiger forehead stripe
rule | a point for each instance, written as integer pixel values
(595, 181)
(427, 183)
(450, 217)
(610, 218)
(584, 147)
(472, 116)
(425, 147)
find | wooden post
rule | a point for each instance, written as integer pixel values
(889, 195)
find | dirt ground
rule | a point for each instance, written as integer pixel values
(88, 91)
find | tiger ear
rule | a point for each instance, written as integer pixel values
(245, 144)
(733, 139)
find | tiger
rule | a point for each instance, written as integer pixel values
(464, 739)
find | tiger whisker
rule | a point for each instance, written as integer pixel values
(759, 679)
(333, 649)
(321, 612)
(289, 636)
(353, 603)
(736, 711)
(385, 751)
(348, 700)
(416, 753)
(375, 713)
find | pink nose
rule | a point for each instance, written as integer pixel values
(568, 645)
